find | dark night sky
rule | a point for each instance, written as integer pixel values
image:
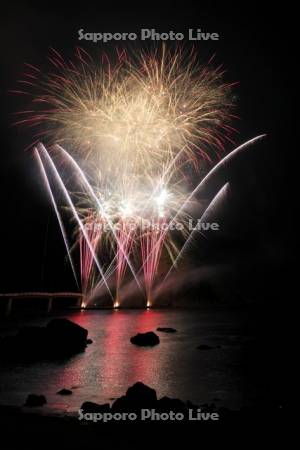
(254, 53)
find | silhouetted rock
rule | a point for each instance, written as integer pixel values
(166, 329)
(89, 341)
(59, 339)
(205, 347)
(122, 404)
(65, 392)
(191, 405)
(145, 339)
(137, 396)
(69, 336)
(28, 333)
(91, 407)
(141, 392)
(140, 396)
(34, 400)
(166, 404)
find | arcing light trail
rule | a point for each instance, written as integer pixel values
(100, 207)
(60, 221)
(134, 134)
(74, 212)
(201, 186)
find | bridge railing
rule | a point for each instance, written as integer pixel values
(9, 297)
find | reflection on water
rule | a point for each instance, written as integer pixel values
(108, 366)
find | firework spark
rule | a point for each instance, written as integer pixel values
(143, 110)
(135, 132)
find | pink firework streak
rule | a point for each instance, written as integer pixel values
(124, 247)
(151, 248)
(94, 234)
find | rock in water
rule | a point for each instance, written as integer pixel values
(166, 329)
(67, 335)
(91, 407)
(59, 339)
(34, 400)
(141, 392)
(148, 339)
(137, 397)
(65, 392)
(167, 404)
(204, 347)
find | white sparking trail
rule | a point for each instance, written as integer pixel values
(62, 228)
(94, 196)
(214, 201)
(226, 160)
(213, 171)
(74, 211)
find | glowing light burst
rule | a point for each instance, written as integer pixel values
(136, 130)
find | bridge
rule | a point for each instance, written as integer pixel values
(40, 295)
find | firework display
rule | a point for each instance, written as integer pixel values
(124, 140)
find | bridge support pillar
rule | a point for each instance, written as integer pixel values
(49, 305)
(8, 306)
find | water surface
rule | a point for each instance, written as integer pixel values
(111, 364)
